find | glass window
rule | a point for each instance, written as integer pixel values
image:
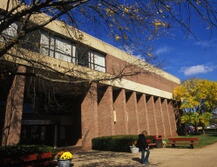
(44, 44)
(57, 47)
(31, 41)
(97, 61)
(82, 56)
(65, 50)
(11, 31)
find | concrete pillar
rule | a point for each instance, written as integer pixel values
(151, 115)
(159, 117)
(119, 100)
(89, 117)
(105, 111)
(133, 124)
(14, 109)
(142, 113)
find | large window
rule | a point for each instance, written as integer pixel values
(63, 49)
(96, 61)
(57, 47)
(82, 56)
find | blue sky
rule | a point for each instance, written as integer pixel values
(178, 52)
(183, 55)
(187, 57)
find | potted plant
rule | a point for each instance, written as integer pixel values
(64, 158)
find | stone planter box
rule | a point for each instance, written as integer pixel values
(25, 160)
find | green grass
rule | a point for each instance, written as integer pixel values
(204, 140)
(209, 138)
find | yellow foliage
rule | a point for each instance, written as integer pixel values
(109, 12)
(195, 93)
(117, 37)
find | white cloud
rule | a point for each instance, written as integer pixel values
(197, 69)
(162, 50)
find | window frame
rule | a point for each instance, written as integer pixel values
(92, 60)
(53, 49)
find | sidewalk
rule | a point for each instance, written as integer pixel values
(163, 157)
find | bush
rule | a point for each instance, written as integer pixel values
(19, 150)
(116, 143)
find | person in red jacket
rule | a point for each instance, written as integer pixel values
(143, 147)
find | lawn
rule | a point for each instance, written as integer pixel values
(204, 139)
(209, 138)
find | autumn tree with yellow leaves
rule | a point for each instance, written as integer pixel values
(198, 100)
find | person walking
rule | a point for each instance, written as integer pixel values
(143, 147)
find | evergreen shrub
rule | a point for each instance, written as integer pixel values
(120, 143)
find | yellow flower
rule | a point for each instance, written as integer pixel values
(64, 155)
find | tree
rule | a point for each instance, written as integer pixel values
(122, 19)
(196, 119)
(198, 100)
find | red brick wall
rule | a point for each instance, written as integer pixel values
(89, 117)
(133, 124)
(105, 111)
(120, 127)
(165, 118)
(172, 118)
(159, 116)
(114, 65)
(14, 110)
(151, 116)
(142, 113)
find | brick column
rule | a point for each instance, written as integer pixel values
(162, 117)
(142, 113)
(89, 117)
(133, 124)
(105, 111)
(14, 109)
(166, 118)
(172, 118)
(119, 99)
(159, 117)
(151, 115)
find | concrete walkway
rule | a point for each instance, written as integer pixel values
(164, 157)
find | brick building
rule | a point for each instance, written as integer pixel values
(40, 110)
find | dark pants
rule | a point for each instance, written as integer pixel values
(144, 155)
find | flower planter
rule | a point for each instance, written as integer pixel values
(9, 161)
(64, 163)
(46, 155)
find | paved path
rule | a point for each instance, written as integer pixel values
(164, 157)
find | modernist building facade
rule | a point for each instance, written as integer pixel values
(71, 97)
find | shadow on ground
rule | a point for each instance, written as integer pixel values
(116, 165)
(107, 159)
